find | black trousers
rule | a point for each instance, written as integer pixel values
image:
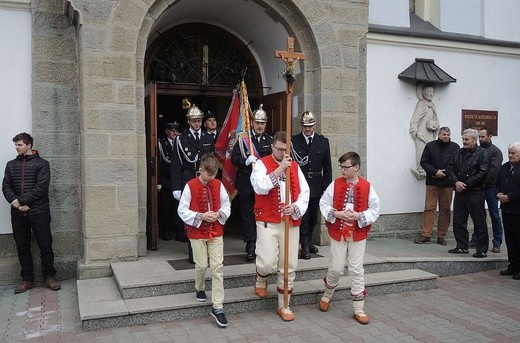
(40, 225)
(247, 204)
(167, 210)
(310, 218)
(511, 224)
(470, 204)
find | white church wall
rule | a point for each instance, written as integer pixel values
(501, 19)
(390, 13)
(15, 89)
(485, 81)
(462, 16)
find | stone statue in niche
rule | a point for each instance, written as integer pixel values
(424, 125)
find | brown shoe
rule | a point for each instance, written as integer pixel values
(362, 318)
(23, 287)
(441, 241)
(422, 240)
(496, 249)
(261, 292)
(286, 314)
(52, 284)
(324, 305)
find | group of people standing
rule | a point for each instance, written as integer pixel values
(349, 205)
(478, 177)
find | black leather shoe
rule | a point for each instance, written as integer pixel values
(479, 255)
(507, 271)
(516, 276)
(166, 236)
(458, 251)
(181, 238)
(312, 248)
(250, 251)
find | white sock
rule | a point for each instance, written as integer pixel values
(358, 306)
(327, 295)
(280, 300)
(261, 282)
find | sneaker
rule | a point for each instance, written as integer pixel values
(472, 245)
(496, 249)
(441, 241)
(201, 296)
(24, 286)
(422, 240)
(220, 317)
(458, 251)
(52, 284)
(480, 255)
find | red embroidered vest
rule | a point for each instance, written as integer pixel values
(268, 208)
(204, 198)
(361, 192)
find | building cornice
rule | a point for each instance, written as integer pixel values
(482, 45)
(21, 5)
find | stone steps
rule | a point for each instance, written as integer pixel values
(103, 306)
(150, 291)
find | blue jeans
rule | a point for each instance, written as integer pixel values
(492, 203)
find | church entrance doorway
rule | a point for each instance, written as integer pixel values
(202, 63)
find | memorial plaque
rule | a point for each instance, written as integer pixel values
(475, 119)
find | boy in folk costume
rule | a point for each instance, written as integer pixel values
(204, 207)
(269, 183)
(350, 205)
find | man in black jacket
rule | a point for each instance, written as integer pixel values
(508, 193)
(439, 188)
(467, 169)
(495, 161)
(312, 153)
(26, 188)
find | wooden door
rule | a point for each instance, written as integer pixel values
(275, 106)
(152, 215)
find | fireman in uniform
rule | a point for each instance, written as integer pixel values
(167, 204)
(242, 158)
(312, 153)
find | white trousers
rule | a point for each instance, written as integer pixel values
(270, 251)
(202, 248)
(347, 253)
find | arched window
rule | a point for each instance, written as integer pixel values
(200, 54)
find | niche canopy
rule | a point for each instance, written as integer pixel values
(426, 71)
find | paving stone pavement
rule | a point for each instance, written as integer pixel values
(479, 307)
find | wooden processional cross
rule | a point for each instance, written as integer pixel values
(290, 58)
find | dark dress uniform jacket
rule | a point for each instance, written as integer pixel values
(164, 166)
(185, 162)
(318, 169)
(242, 181)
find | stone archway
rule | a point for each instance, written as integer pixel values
(113, 39)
